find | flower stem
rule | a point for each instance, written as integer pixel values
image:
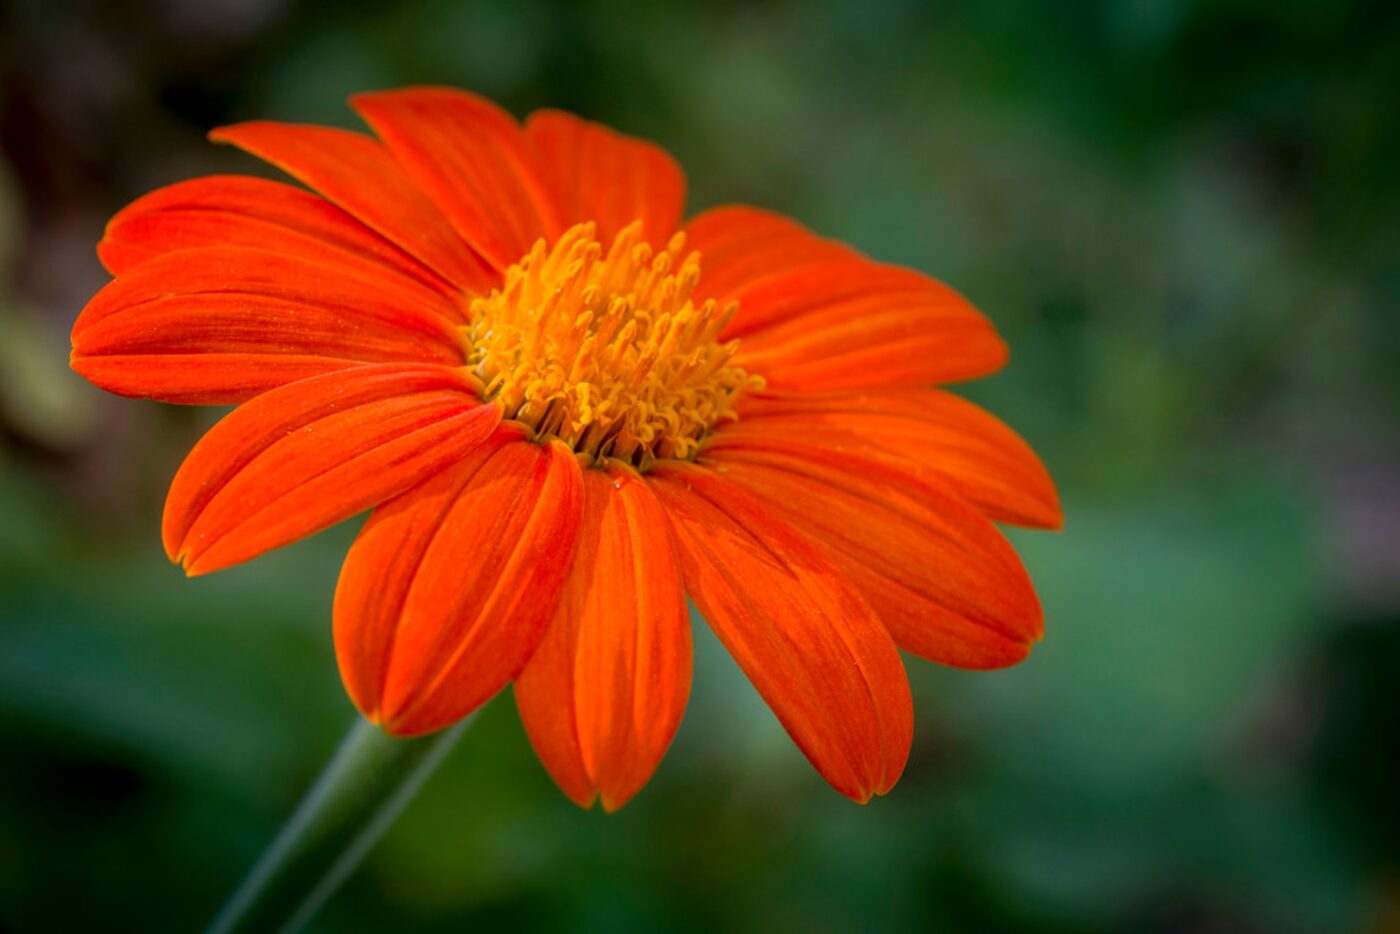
(357, 797)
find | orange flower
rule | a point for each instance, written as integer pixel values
(568, 413)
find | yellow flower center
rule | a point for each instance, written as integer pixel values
(607, 352)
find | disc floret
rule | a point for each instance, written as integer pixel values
(608, 352)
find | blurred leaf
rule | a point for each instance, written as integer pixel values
(39, 395)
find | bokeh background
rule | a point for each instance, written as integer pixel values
(1182, 215)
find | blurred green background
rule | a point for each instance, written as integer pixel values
(1183, 216)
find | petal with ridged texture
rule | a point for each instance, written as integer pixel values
(982, 459)
(473, 160)
(448, 589)
(594, 173)
(218, 325)
(237, 210)
(855, 324)
(357, 173)
(942, 578)
(812, 647)
(300, 458)
(603, 695)
(741, 246)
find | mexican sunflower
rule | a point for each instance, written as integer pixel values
(570, 410)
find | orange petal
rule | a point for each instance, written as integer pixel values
(221, 324)
(357, 173)
(812, 647)
(982, 459)
(300, 458)
(602, 696)
(236, 210)
(448, 589)
(741, 246)
(858, 325)
(941, 577)
(472, 159)
(594, 173)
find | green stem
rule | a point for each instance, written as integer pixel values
(359, 794)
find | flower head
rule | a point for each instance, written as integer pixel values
(568, 412)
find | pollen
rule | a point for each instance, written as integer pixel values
(607, 351)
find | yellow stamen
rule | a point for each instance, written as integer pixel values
(606, 351)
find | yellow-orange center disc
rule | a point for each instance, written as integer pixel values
(608, 352)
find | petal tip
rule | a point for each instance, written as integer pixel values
(612, 803)
(860, 796)
(999, 354)
(586, 801)
(199, 563)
